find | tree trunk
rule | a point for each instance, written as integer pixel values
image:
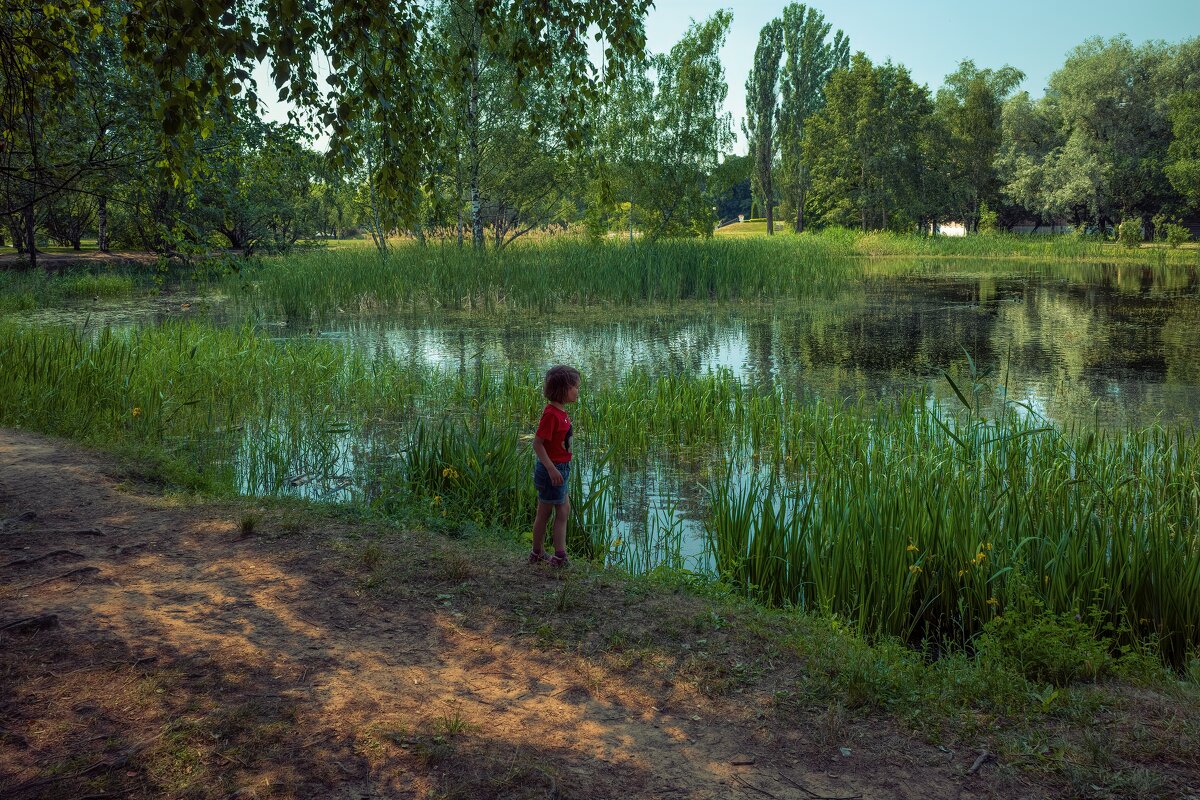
(18, 236)
(862, 182)
(102, 225)
(800, 197)
(30, 235)
(473, 150)
(631, 215)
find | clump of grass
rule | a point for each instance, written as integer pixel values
(248, 525)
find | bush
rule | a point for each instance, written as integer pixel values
(1176, 234)
(1045, 647)
(989, 220)
(1129, 232)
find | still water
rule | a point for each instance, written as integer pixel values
(1109, 346)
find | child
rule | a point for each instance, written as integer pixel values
(552, 444)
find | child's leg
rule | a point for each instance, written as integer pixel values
(539, 525)
(561, 514)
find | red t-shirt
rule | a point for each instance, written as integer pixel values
(554, 430)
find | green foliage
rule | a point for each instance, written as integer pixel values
(762, 101)
(667, 131)
(256, 190)
(1045, 647)
(969, 107)
(1129, 232)
(989, 220)
(1183, 167)
(810, 58)
(584, 274)
(1176, 235)
(865, 148)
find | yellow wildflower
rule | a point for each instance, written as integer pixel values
(137, 411)
(437, 499)
(912, 548)
(914, 569)
(616, 543)
(962, 572)
(450, 472)
(991, 601)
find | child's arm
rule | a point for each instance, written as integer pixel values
(539, 447)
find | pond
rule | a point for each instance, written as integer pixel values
(1111, 347)
(1106, 345)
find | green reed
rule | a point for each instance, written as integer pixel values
(21, 290)
(906, 517)
(919, 523)
(548, 275)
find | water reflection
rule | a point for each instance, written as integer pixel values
(1113, 346)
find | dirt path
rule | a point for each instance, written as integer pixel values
(310, 660)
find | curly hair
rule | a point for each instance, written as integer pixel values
(558, 380)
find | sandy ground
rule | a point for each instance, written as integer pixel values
(186, 659)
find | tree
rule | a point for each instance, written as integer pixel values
(762, 101)
(688, 132)
(37, 45)
(970, 105)
(811, 57)
(1117, 134)
(1183, 166)
(257, 189)
(505, 146)
(866, 148)
(730, 186)
(1031, 140)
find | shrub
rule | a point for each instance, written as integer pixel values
(1176, 234)
(1045, 647)
(1129, 232)
(989, 220)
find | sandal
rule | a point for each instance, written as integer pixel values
(538, 558)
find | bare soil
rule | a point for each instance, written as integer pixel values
(193, 653)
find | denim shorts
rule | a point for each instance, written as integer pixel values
(547, 492)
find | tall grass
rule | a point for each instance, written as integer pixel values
(1067, 247)
(571, 274)
(905, 517)
(542, 276)
(21, 290)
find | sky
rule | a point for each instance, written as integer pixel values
(930, 37)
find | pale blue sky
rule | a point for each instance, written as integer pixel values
(930, 37)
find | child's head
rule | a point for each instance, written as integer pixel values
(559, 382)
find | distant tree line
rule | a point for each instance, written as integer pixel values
(481, 122)
(838, 140)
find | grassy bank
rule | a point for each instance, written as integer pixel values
(1065, 247)
(902, 518)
